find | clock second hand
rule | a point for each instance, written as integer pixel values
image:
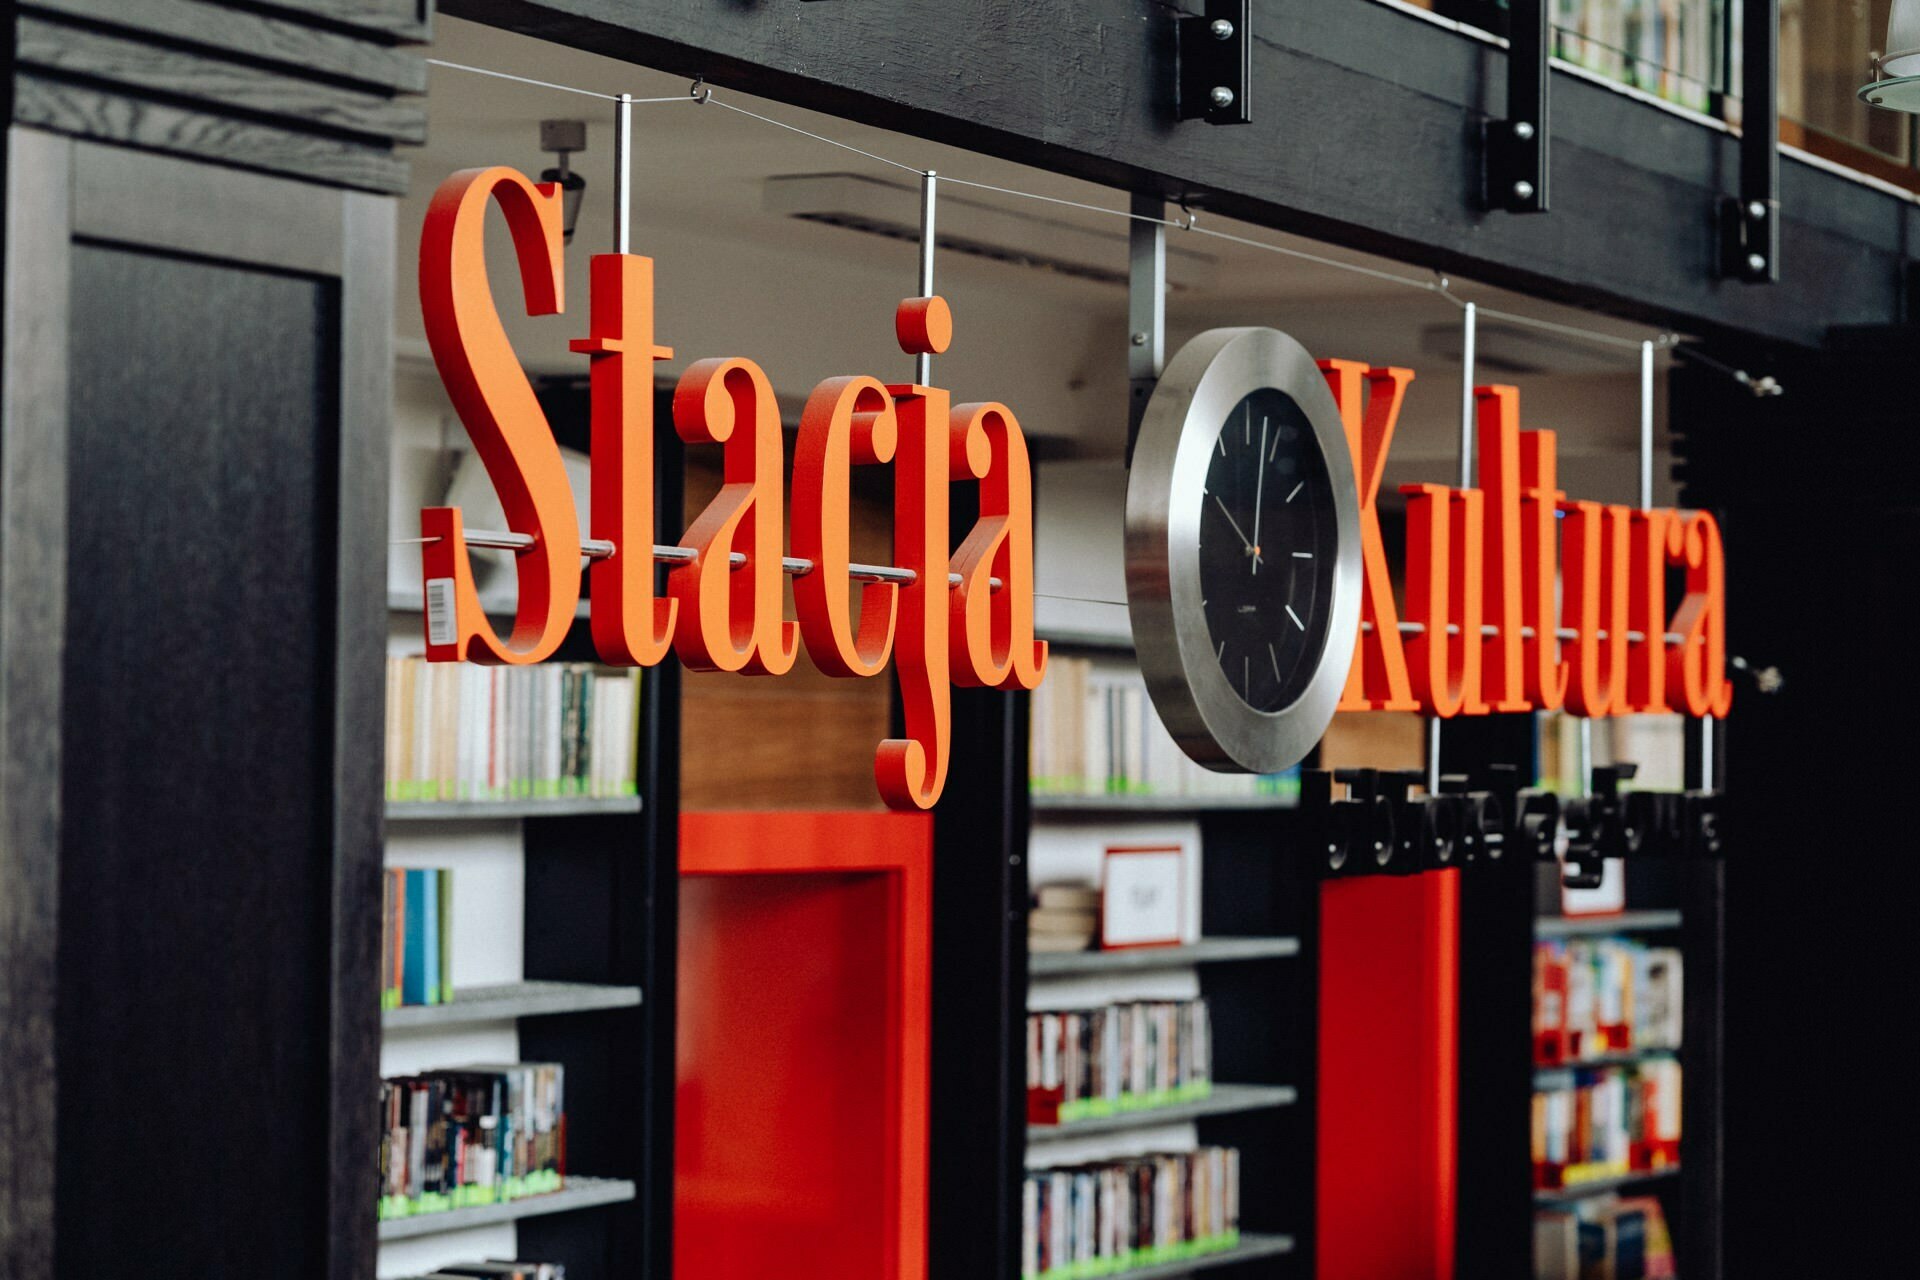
(1259, 487)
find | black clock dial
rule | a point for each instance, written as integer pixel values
(1267, 550)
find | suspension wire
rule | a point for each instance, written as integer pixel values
(1440, 286)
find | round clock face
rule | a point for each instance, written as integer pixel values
(1243, 550)
(1268, 544)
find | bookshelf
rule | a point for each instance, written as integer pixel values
(1255, 922)
(1643, 921)
(564, 940)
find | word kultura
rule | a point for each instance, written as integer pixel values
(1489, 630)
(719, 613)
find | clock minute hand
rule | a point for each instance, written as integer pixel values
(1235, 523)
(1259, 488)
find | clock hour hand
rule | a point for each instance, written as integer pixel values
(1251, 549)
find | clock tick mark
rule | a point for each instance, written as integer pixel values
(1276, 440)
(1296, 618)
(1246, 678)
(1276, 660)
(1303, 555)
(1296, 491)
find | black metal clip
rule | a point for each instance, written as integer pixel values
(1216, 63)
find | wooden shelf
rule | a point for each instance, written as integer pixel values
(1250, 1247)
(511, 1000)
(1226, 1099)
(1049, 802)
(499, 810)
(580, 1193)
(1594, 926)
(1600, 1186)
(1054, 964)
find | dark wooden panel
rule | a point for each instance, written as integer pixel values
(366, 236)
(256, 38)
(197, 855)
(132, 64)
(90, 113)
(33, 583)
(1369, 139)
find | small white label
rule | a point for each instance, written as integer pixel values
(440, 611)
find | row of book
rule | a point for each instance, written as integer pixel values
(499, 1271)
(1099, 1219)
(471, 1136)
(460, 731)
(1083, 1063)
(1666, 47)
(416, 937)
(1598, 996)
(1607, 1122)
(1606, 1238)
(1095, 732)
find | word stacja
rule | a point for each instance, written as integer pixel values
(1519, 598)
(719, 614)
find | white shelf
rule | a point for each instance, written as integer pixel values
(1054, 964)
(511, 1000)
(1226, 1099)
(496, 810)
(1600, 926)
(580, 1193)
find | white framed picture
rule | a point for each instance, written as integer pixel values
(1142, 896)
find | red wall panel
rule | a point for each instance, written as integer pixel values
(800, 1148)
(1389, 1087)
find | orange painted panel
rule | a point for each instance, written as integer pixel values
(801, 1122)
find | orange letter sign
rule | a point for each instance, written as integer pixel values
(504, 420)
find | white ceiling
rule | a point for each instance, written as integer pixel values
(810, 301)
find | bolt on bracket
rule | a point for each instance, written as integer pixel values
(1216, 63)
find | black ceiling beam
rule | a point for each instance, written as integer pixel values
(1371, 139)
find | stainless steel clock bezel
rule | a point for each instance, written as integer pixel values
(1165, 492)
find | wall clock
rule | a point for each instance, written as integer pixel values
(1243, 550)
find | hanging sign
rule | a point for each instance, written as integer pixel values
(945, 618)
(1520, 598)
(1262, 599)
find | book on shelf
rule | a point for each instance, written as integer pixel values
(1111, 1216)
(1064, 917)
(1084, 1063)
(1094, 732)
(502, 1270)
(471, 1136)
(1604, 995)
(1607, 1238)
(416, 937)
(1609, 1122)
(461, 731)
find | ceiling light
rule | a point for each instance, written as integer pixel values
(1896, 73)
(563, 138)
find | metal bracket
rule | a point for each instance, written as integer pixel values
(1515, 150)
(1750, 221)
(1146, 308)
(1216, 63)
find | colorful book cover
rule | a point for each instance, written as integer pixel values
(444, 952)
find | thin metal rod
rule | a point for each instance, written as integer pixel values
(929, 201)
(1583, 760)
(1469, 333)
(1646, 426)
(1707, 727)
(623, 174)
(1433, 755)
(794, 566)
